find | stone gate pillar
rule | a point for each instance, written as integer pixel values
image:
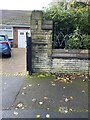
(36, 20)
(41, 43)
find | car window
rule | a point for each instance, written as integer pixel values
(2, 38)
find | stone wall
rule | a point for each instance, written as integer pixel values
(46, 59)
(41, 44)
(70, 65)
(70, 60)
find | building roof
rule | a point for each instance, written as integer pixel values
(15, 17)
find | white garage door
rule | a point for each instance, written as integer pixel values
(22, 38)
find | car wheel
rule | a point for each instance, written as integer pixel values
(9, 55)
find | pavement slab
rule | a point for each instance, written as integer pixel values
(48, 96)
(33, 113)
(10, 88)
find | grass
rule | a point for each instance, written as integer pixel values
(39, 76)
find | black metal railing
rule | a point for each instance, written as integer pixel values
(60, 40)
(65, 37)
(60, 35)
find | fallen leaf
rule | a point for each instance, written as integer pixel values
(70, 81)
(47, 116)
(71, 97)
(84, 80)
(78, 74)
(23, 93)
(15, 113)
(86, 77)
(66, 99)
(34, 100)
(46, 98)
(71, 109)
(82, 75)
(63, 87)
(63, 78)
(47, 74)
(19, 105)
(83, 91)
(41, 75)
(24, 88)
(30, 85)
(53, 84)
(58, 78)
(66, 111)
(86, 110)
(41, 103)
(63, 110)
(38, 116)
(67, 78)
(48, 108)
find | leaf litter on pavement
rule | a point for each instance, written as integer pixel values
(66, 79)
(19, 105)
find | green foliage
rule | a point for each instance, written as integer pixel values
(39, 75)
(78, 4)
(72, 18)
(86, 41)
(78, 40)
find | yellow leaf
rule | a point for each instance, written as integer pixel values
(45, 97)
(71, 97)
(71, 109)
(24, 88)
(47, 116)
(38, 116)
(19, 105)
